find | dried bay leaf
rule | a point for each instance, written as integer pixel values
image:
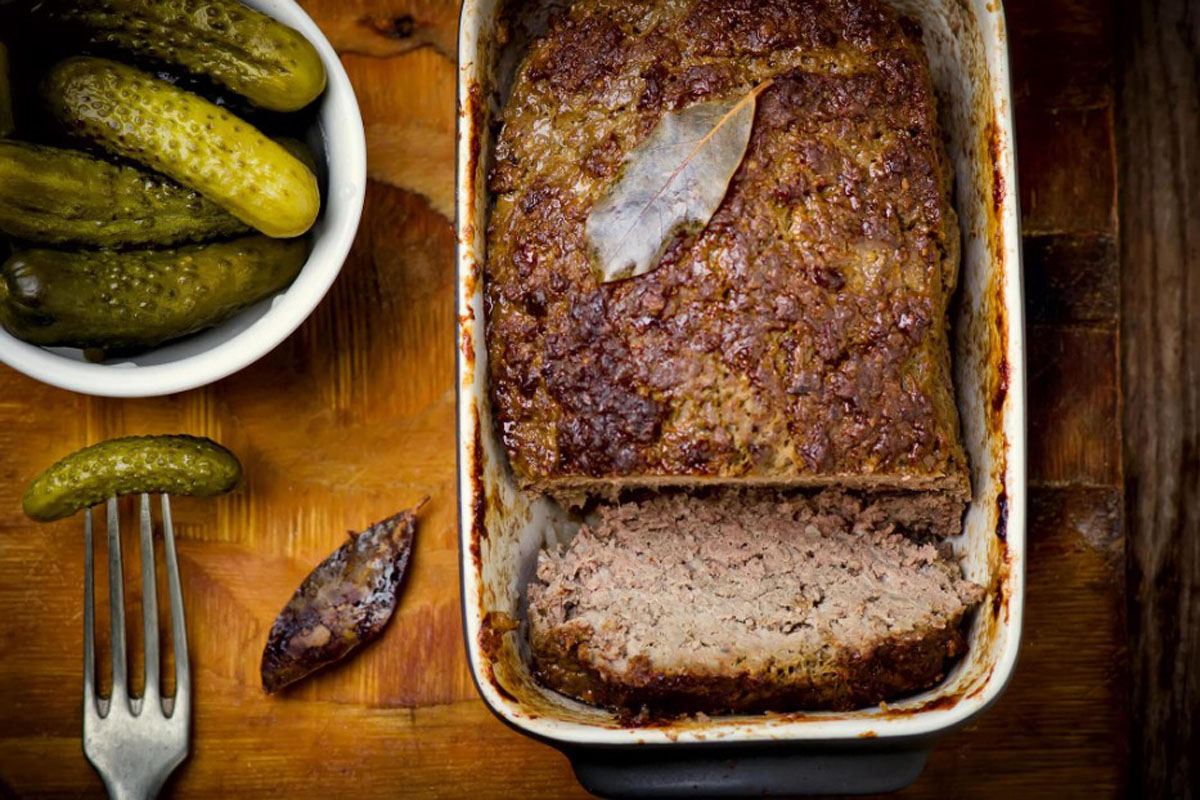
(670, 185)
(344, 602)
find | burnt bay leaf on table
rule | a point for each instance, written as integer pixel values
(346, 601)
(669, 185)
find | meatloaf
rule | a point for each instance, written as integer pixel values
(747, 601)
(801, 337)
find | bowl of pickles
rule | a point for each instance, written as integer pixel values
(180, 184)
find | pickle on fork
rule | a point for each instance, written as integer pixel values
(175, 464)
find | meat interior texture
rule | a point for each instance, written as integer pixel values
(751, 601)
(801, 338)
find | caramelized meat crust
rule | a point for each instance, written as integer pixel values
(801, 338)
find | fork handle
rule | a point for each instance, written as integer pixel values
(132, 789)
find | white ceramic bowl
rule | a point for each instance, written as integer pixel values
(243, 339)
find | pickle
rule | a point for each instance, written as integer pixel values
(125, 301)
(131, 465)
(186, 138)
(268, 63)
(64, 196)
(6, 106)
(300, 150)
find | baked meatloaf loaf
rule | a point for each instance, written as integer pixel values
(743, 602)
(801, 338)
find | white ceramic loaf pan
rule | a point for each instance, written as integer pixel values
(502, 528)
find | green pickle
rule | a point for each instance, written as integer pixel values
(131, 465)
(187, 138)
(6, 107)
(60, 196)
(137, 299)
(270, 64)
(300, 150)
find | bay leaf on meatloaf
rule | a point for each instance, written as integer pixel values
(670, 185)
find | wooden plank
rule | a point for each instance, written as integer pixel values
(1057, 16)
(383, 28)
(1062, 69)
(1068, 182)
(1160, 202)
(1072, 395)
(269, 749)
(352, 417)
(410, 143)
(1071, 279)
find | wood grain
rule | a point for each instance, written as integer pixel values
(1062, 62)
(352, 418)
(1072, 383)
(1068, 181)
(1160, 198)
(1072, 279)
(408, 111)
(382, 28)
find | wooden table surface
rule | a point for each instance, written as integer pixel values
(352, 418)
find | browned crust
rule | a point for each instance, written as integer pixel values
(893, 669)
(800, 339)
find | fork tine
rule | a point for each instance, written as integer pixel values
(116, 597)
(149, 606)
(89, 613)
(183, 685)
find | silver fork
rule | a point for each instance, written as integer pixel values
(135, 742)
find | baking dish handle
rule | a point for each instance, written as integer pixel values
(708, 771)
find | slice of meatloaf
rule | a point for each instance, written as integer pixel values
(743, 602)
(801, 339)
